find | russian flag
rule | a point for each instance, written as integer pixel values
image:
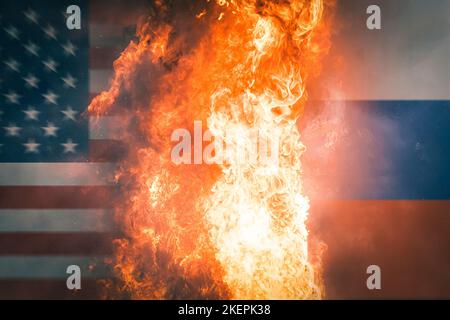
(378, 151)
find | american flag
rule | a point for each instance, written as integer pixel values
(56, 163)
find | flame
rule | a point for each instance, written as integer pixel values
(235, 229)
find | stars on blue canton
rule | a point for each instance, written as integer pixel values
(43, 84)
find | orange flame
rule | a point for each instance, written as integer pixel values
(232, 229)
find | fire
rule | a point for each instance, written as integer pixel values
(233, 229)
